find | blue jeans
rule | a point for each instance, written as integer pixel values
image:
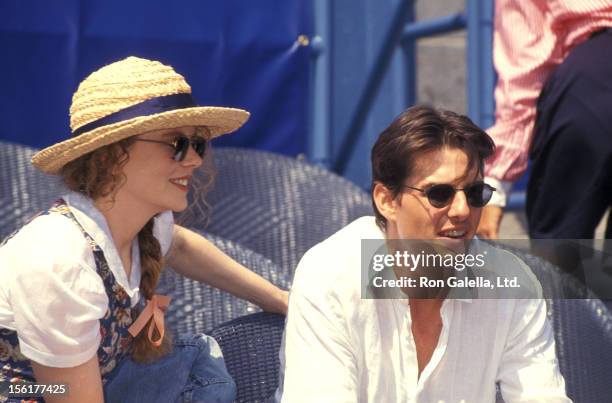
(193, 372)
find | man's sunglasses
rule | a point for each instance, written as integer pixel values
(181, 144)
(477, 194)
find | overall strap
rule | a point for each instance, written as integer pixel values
(60, 206)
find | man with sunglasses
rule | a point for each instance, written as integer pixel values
(340, 346)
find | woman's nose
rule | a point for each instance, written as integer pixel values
(192, 159)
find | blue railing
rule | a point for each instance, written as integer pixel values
(319, 147)
(402, 31)
(393, 36)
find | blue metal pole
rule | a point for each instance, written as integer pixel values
(374, 78)
(489, 76)
(481, 74)
(435, 26)
(516, 200)
(410, 64)
(319, 144)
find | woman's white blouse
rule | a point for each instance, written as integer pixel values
(50, 292)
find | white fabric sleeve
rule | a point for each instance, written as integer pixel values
(163, 230)
(502, 191)
(56, 297)
(529, 370)
(319, 362)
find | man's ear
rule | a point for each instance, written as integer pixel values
(385, 202)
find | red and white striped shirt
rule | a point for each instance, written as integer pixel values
(531, 38)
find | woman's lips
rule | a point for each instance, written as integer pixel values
(181, 183)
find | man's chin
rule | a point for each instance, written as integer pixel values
(455, 245)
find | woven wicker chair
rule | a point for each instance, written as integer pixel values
(250, 347)
(197, 307)
(277, 206)
(24, 191)
(583, 331)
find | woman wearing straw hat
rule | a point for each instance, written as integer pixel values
(73, 276)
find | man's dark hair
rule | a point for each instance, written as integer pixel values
(416, 131)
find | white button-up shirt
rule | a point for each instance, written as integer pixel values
(339, 347)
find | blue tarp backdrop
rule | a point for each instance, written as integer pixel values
(238, 53)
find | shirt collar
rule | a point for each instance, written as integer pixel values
(94, 223)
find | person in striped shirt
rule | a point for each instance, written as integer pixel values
(552, 97)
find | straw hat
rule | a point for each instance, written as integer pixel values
(127, 98)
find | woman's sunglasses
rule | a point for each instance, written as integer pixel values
(181, 144)
(477, 194)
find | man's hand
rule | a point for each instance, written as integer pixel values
(489, 222)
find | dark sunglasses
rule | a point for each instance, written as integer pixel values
(181, 144)
(477, 194)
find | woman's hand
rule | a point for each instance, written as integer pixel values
(280, 303)
(195, 257)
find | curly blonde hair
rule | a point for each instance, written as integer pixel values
(100, 174)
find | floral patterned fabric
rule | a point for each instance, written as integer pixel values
(116, 342)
